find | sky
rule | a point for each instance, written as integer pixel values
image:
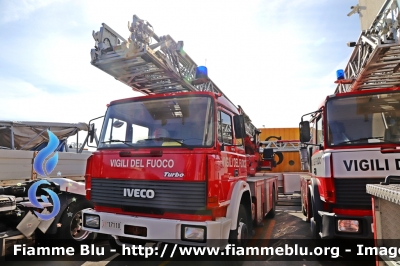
(275, 58)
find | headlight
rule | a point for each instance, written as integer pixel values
(348, 226)
(92, 221)
(194, 233)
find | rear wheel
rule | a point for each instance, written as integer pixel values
(272, 212)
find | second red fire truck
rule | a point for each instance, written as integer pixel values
(355, 134)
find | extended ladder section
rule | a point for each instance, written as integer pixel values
(149, 63)
(375, 61)
(282, 145)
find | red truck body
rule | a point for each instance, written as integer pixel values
(161, 189)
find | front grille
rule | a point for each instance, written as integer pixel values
(187, 197)
(352, 191)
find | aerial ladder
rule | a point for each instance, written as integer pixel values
(375, 60)
(152, 64)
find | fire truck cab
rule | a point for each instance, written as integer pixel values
(351, 141)
(191, 182)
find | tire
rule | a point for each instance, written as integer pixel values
(71, 224)
(303, 209)
(240, 236)
(316, 205)
(272, 212)
(308, 208)
(315, 224)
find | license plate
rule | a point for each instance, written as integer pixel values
(112, 225)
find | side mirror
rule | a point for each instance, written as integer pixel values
(240, 130)
(91, 132)
(305, 134)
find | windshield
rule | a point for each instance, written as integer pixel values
(364, 119)
(175, 122)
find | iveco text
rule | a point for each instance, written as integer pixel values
(139, 193)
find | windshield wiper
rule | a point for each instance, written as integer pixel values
(121, 141)
(360, 139)
(169, 139)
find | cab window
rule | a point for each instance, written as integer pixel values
(225, 128)
(320, 131)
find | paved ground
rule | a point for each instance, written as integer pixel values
(288, 227)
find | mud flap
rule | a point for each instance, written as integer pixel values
(327, 225)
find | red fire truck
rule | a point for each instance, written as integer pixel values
(353, 138)
(176, 165)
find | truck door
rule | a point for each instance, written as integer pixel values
(318, 141)
(232, 156)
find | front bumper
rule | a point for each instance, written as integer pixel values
(163, 230)
(330, 230)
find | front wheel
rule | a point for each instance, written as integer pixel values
(71, 224)
(240, 236)
(315, 223)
